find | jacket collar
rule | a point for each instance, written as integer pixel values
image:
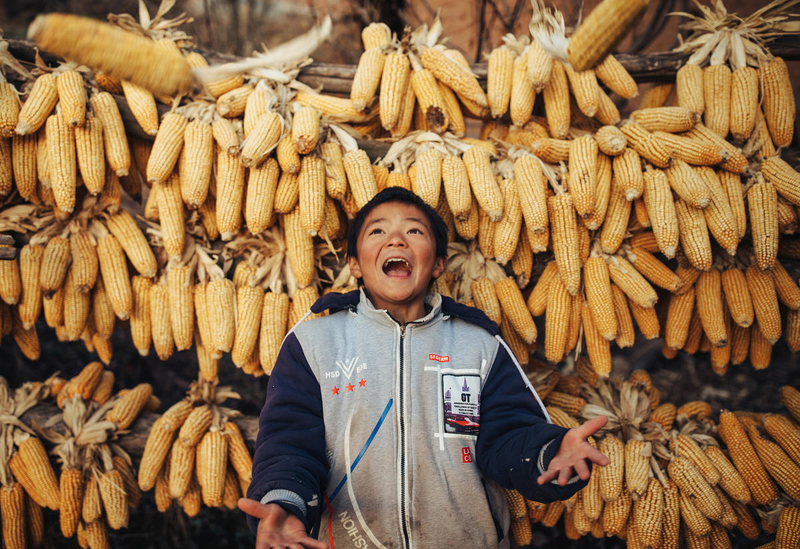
(356, 301)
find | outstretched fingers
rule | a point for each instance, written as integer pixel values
(252, 507)
(596, 456)
(592, 426)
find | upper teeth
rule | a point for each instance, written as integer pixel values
(393, 259)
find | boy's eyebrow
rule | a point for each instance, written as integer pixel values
(379, 219)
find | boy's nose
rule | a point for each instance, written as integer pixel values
(397, 240)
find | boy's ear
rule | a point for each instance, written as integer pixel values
(355, 268)
(438, 267)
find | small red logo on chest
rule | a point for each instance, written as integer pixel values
(438, 358)
(466, 455)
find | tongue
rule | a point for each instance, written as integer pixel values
(397, 269)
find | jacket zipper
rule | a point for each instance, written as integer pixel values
(403, 514)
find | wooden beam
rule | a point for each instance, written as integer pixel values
(134, 441)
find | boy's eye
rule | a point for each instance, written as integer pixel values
(376, 231)
(415, 230)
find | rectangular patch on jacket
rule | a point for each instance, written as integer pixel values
(461, 403)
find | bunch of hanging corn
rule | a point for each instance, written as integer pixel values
(668, 478)
(195, 454)
(97, 482)
(29, 482)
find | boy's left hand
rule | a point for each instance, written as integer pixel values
(574, 450)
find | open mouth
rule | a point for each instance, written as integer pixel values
(397, 266)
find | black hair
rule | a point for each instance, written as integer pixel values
(403, 196)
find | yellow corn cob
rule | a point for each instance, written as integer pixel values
(6, 165)
(648, 514)
(485, 296)
(12, 511)
(230, 189)
(376, 35)
(91, 159)
(102, 312)
(71, 494)
(483, 183)
(523, 94)
(212, 460)
(498, 87)
(262, 184)
(559, 306)
(584, 89)
(454, 76)
(654, 270)
(133, 241)
(786, 287)
(744, 457)
(735, 161)
(625, 333)
(428, 183)
(692, 485)
(709, 306)
(62, 161)
(565, 240)
(514, 309)
(311, 186)
(611, 140)
(53, 308)
(760, 349)
(160, 326)
(692, 150)
(143, 106)
(779, 103)
(115, 142)
(689, 88)
(646, 320)
(166, 148)
(765, 302)
(539, 66)
(601, 31)
(181, 305)
(42, 98)
(602, 193)
(787, 218)
(572, 405)
(599, 297)
(637, 467)
(732, 184)
(783, 177)
(360, 176)
(537, 300)
(660, 208)
(305, 130)
(688, 184)
(678, 319)
(776, 461)
(624, 275)
(9, 109)
(556, 101)
(23, 163)
(267, 132)
(694, 238)
(196, 162)
(115, 275)
(583, 174)
(788, 534)
(159, 442)
(744, 102)
(52, 269)
(666, 119)
(429, 100)
(550, 150)
(248, 314)
(730, 479)
(612, 475)
(394, 81)
(170, 214)
(785, 433)
(225, 136)
(33, 459)
(686, 447)
(717, 98)
(616, 77)
(646, 145)
(367, 77)
(72, 97)
(300, 248)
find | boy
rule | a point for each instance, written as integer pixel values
(391, 422)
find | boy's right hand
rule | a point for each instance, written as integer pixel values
(278, 529)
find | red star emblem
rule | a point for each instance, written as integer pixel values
(350, 387)
(335, 390)
(362, 383)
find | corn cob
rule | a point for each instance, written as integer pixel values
(744, 457)
(483, 183)
(648, 513)
(62, 161)
(12, 511)
(551, 150)
(783, 177)
(607, 112)
(784, 433)
(33, 459)
(599, 297)
(646, 145)
(735, 162)
(717, 98)
(583, 174)
(23, 164)
(6, 164)
(556, 101)
(454, 76)
(744, 102)
(765, 302)
(637, 467)
(133, 241)
(262, 185)
(394, 81)
(53, 309)
(689, 88)
(692, 150)
(112, 491)
(196, 162)
(763, 203)
(300, 248)
(212, 459)
(787, 218)
(624, 275)
(160, 326)
(614, 75)
(694, 238)
(785, 472)
(225, 136)
(569, 403)
(565, 240)
(367, 77)
(42, 98)
(523, 94)
(615, 514)
(732, 184)
(611, 140)
(360, 176)
(597, 345)
(143, 106)
(230, 190)
(602, 30)
(779, 104)
(9, 109)
(584, 89)
(115, 142)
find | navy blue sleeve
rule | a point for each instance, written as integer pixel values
(515, 442)
(290, 449)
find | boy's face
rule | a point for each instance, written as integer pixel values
(396, 256)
